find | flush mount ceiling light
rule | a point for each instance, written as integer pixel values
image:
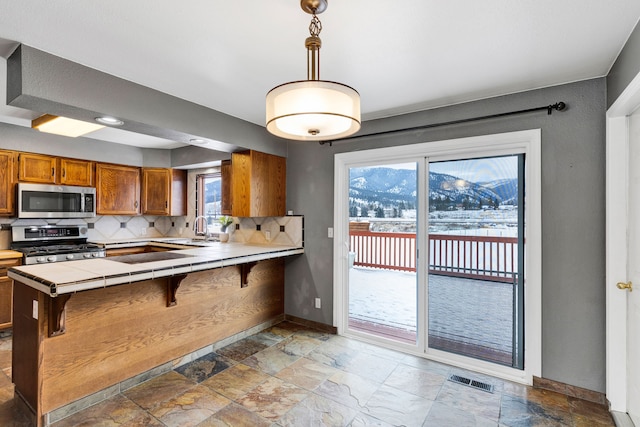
(313, 109)
(63, 126)
(110, 121)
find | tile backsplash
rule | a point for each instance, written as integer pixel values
(287, 230)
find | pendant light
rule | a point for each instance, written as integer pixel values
(313, 109)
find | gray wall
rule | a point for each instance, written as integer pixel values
(573, 217)
(625, 68)
(13, 137)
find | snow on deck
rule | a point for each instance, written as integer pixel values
(476, 312)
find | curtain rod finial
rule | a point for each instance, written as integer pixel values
(558, 106)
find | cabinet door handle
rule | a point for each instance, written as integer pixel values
(136, 204)
(64, 172)
(53, 171)
(166, 204)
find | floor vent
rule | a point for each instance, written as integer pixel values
(471, 383)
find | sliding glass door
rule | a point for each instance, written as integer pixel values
(430, 252)
(382, 280)
(475, 268)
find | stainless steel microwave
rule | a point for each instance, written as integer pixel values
(55, 201)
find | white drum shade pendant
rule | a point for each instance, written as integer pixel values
(313, 109)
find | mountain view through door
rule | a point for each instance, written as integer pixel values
(475, 294)
(382, 244)
(474, 302)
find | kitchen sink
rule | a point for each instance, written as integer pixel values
(190, 242)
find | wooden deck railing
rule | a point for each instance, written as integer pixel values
(476, 257)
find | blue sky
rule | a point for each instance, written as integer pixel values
(475, 170)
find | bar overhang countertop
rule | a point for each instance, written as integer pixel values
(75, 276)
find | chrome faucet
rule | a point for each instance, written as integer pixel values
(206, 227)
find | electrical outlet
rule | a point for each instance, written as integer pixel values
(34, 310)
(318, 303)
(143, 231)
(330, 232)
(267, 235)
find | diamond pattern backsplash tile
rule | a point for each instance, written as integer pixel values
(270, 230)
(286, 230)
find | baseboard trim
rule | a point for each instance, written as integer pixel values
(570, 390)
(312, 324)
(621, 419)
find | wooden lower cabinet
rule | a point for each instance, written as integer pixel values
(117, 332)
(6, 291)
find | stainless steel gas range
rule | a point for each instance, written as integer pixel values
(41, 244)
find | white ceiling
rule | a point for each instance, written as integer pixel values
(401, 56)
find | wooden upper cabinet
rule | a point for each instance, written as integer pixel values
(258, 184)
(164, 192)
(7, 182)
(225, 188)
(117, 189)
(75, 172)
(37, 168)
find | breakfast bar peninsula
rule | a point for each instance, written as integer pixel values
(83, 327)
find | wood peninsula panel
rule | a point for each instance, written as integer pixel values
(25, 370)
(118, 332)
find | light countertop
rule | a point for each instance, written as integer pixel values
(73, 276)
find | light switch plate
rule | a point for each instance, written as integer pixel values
(35, 309)
(330, 232)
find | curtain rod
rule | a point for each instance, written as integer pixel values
(558, 106)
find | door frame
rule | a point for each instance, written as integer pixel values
(617, 145)
(527, 142)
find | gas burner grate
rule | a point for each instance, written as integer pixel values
(471, 383)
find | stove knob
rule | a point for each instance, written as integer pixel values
(51, 259)
(70, 256)
(87, 255)
(40, 259)
(94, 254)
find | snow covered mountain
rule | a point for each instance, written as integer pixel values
(389, 187)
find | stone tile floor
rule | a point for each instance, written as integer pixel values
(290, 375)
